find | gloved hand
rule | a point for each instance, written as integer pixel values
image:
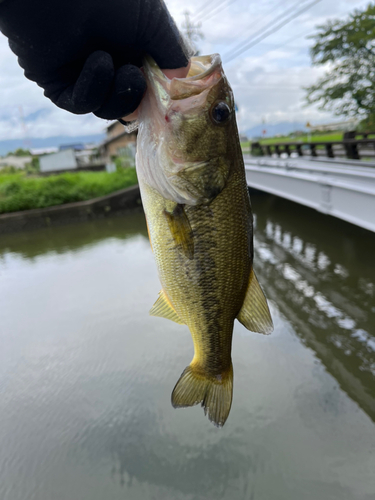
(86, 54)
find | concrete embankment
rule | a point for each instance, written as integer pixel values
(124, 200)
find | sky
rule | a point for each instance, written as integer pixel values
(267, 79)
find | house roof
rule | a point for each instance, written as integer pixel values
(111, 125)
(111, 139)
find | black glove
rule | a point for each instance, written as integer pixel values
(86, 54)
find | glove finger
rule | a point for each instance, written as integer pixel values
(128, 90)
(161, 38)
(90, 89)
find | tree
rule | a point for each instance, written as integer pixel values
(192, 31)
(348, 48)
(20, 152)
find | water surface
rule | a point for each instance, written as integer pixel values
(86, 375)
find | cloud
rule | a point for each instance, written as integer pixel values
(26, 112)
(267, 80)
(47, 121)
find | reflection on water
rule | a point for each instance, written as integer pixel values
(72, 237)
(86, 375)
(322, 276)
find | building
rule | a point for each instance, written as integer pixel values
(72, 159)
(43, 151)
(15, 161)
(58, 162)
(79, 146)
(117, 141)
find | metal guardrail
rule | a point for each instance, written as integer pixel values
(350, 147)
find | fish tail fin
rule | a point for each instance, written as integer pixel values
(213, 392)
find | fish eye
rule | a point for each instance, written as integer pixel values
(220, 112)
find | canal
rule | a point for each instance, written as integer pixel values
(86, 374)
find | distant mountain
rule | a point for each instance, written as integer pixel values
(282, 128)
(13, 144)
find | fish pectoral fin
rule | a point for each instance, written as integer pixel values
(255, 314)
(164, 309)
(181, 231)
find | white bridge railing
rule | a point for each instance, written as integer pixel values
(342, 188)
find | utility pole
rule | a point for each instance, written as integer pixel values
(192, 31)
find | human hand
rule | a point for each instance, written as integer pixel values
(86, 54)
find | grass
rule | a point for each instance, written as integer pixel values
(21, 192)
(336, 136)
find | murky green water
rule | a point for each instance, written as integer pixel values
(86, 374)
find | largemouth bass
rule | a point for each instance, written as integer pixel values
(194, 193)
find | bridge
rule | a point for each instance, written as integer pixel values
(339, 187)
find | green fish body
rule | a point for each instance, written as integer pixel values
(199, 218)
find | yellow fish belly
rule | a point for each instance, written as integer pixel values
(205, 275)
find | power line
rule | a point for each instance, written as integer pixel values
(255, 39)
(287, 42)
(245, 30)
(279, 45)
(218, 9)
(203, 8)
(271, 24)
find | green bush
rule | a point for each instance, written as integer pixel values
(33, 167)
(19, 192)
(9, 169)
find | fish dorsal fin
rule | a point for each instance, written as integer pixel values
(164, 309)
(254, 314)
(181, 231)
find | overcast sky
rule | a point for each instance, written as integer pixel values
(267, 79)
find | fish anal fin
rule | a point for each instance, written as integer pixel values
(255, 314)
(181, 231)
(214, 393)
(164, 309)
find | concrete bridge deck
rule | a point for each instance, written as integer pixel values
(342, 188)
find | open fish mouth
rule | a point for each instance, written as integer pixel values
(180, 148)
(201, 67)
(204, 72)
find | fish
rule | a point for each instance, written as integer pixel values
(196, 201)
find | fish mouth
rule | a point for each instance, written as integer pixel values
(201, 67)
(205, 71)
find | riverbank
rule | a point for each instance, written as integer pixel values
(20, 192)
(128, 199)
(335, 136)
